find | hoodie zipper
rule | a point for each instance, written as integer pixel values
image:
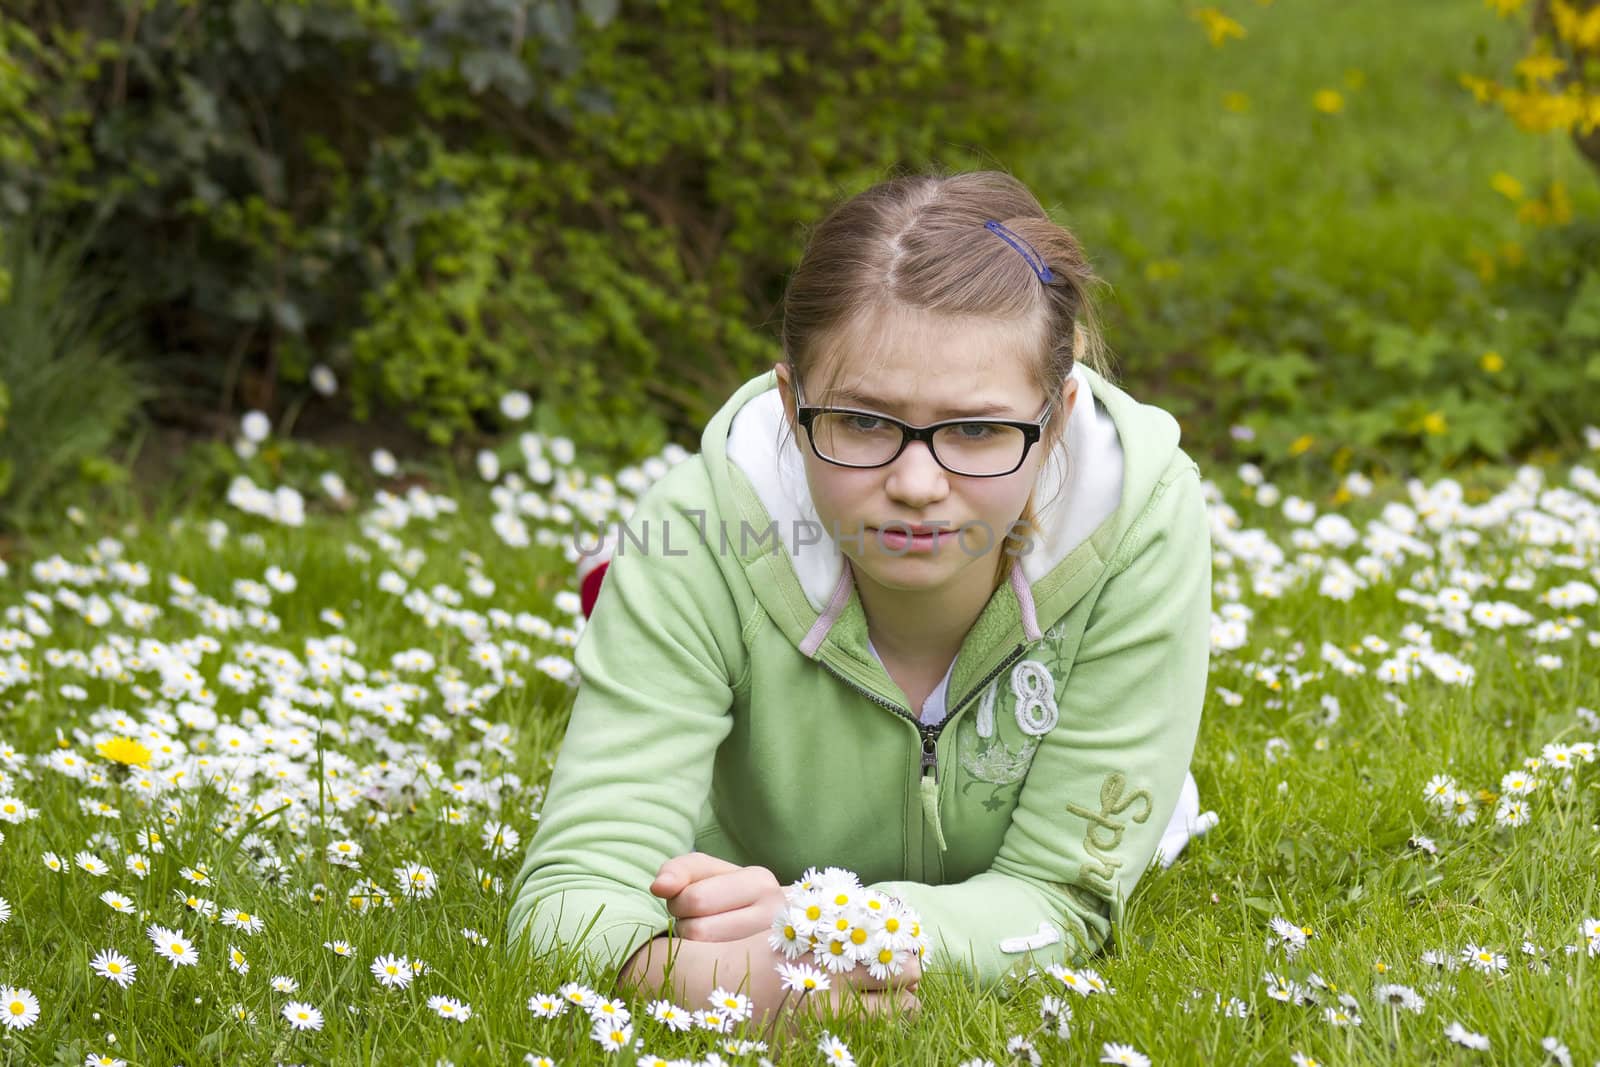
(930, 732)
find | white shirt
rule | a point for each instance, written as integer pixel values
(933, 709)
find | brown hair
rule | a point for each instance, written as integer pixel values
(917, 243)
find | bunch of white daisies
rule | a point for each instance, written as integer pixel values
(843, 925)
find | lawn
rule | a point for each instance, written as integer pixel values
(349, 722)
(351, 699)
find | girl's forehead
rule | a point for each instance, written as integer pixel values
(933, 362)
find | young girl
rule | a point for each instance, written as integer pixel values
(932, 603)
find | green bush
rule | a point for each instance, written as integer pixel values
(71, 392)
(444, 199)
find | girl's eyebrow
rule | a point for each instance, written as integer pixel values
(978, 409)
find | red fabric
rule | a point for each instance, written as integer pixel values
(589, 590)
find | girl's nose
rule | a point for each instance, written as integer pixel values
(915, 477)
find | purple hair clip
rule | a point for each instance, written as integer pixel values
(1024, 249)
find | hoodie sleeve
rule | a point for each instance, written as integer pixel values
(657, 664)
(1105, 781)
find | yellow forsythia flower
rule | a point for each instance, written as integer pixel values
(1581, 29)
(1328, 101)
(1492, 362)
(1560, 204)
(1506, 186)
(1483, 89)
(1535, 212)
(124, 750)
(1540, 67)
(1218, 27)
(1434, 423)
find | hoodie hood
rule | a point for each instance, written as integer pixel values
(1097, 481)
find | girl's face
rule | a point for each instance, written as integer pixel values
(929, 374)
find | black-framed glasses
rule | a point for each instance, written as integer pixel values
(973, 448)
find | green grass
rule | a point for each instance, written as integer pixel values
(1317, 834)
(1140, 157)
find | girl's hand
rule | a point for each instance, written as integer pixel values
(714, 900)
(856, 991)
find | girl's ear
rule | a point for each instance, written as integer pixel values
(786, 394)
(1069, 397)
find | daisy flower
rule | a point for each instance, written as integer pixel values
(1071, 979)
(802, 978)
(669, 1015)
(302, 1016)
(392, 971)
(113, 966)
(546, 1005)
(614, 1010)
(115, 901)
(416, 880)
(835, 1051)
(88, 861)
(714, 1021)
(577, 993)
(1402, 996)
(282, 983)
(103, 1059)
(5, 910)
(1466, 1038)
(1111, 1052)
(736, 1006)
(242, 921)
(237, 962)
(19, 1008)
(450, 1008)
(172, 946)
(611, 1035)
(53, 862)
(340, 948)
(1483, 959)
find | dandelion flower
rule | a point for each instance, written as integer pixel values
(113, 966)
(302, 1016)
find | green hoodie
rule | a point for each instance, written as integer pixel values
(729, 704)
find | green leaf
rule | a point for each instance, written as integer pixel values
(1583, 314)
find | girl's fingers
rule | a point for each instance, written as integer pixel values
(726, 926)
(716, 893)
(681, 871)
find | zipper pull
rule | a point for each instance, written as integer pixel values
(930, 791)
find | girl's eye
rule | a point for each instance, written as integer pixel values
(976, 431)
(863, 423)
